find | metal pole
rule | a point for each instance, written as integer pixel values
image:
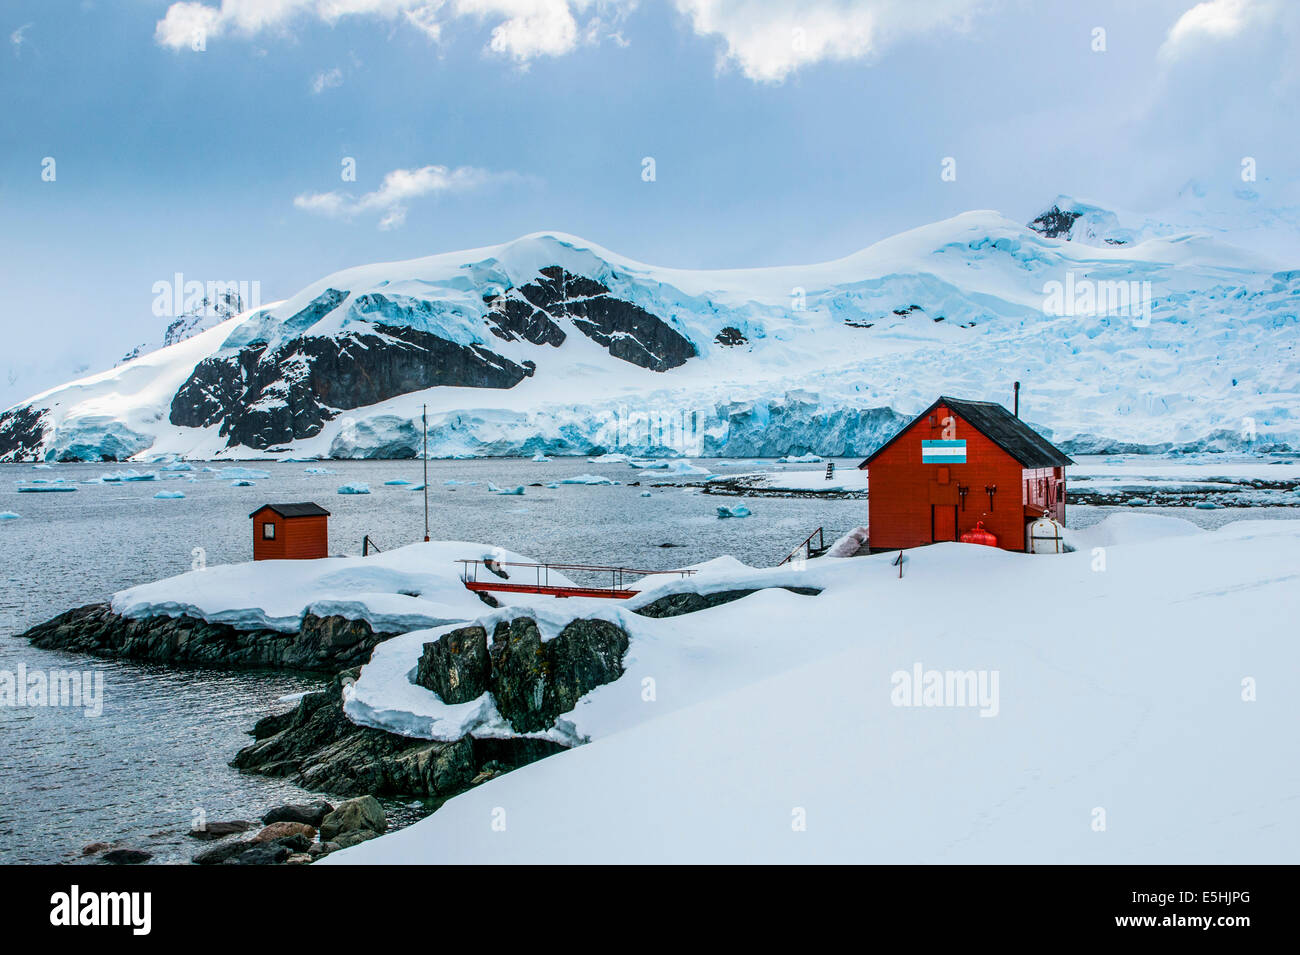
(424, 417)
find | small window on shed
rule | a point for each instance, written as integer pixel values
(268, 531)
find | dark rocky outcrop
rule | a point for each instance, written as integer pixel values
(320, 749)
(270, 853)
(219, 830)
(532, 681)
(362, 813)
(1054, 223)
(311, 814)
(456, 665)
(284, 832)
(220, 853)
(674, 605)
(731, 337)
(22, 430)
(322, 643)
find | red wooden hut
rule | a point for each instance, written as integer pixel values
(290, 532)
(959, 463)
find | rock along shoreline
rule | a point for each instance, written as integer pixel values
(318, 748)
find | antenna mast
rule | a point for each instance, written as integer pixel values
(424, 418)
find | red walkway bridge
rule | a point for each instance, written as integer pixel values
(500, 581)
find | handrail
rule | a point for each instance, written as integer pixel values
(469, 571)
(821, 545)
(367, 545)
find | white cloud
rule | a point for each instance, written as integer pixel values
(1208, 23)
(1227, 80)
(19, 37)
(326, 80)
(520, 29)
(398, 188)
(770, 39)
(1238, 52)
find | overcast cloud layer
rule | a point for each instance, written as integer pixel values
(279, 140)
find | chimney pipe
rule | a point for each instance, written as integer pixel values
(1017, 392)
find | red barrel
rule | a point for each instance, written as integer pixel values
(978, 535)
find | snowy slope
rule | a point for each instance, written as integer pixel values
(1125, 738)
(552, 344)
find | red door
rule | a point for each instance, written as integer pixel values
(943, 522)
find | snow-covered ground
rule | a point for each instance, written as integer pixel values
(1131, 702)
(395, 591)
(1204, 352)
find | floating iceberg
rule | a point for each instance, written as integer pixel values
(398, 482)
(586, 479)
(355, 489)
(242, 484)
(740, 510)
(169, 495)
(115, 477)
(540, 458)
(247, 474)
(800, 459)
(8, 516)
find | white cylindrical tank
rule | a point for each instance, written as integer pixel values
(1045, 537)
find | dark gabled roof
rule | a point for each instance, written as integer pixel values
(294, 510)
(1000, 426)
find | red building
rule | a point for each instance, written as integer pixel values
(290, 532)
(958, 463)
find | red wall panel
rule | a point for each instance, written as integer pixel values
(901, 489)
(296, 538)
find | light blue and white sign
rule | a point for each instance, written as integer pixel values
(943, 452)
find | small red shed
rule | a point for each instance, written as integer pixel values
(290, 532)
(959, 463)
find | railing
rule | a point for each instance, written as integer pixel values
(542, 574)
(806, 547)
(367, 545)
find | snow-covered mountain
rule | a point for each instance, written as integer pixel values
(222, 306)
(551, 343)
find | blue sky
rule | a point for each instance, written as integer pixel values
(780, 132)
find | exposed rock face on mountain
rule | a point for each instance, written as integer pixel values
(1054, 223)
(266, 398)
(22, 430)
(628, 331)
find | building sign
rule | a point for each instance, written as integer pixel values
(943, 452)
